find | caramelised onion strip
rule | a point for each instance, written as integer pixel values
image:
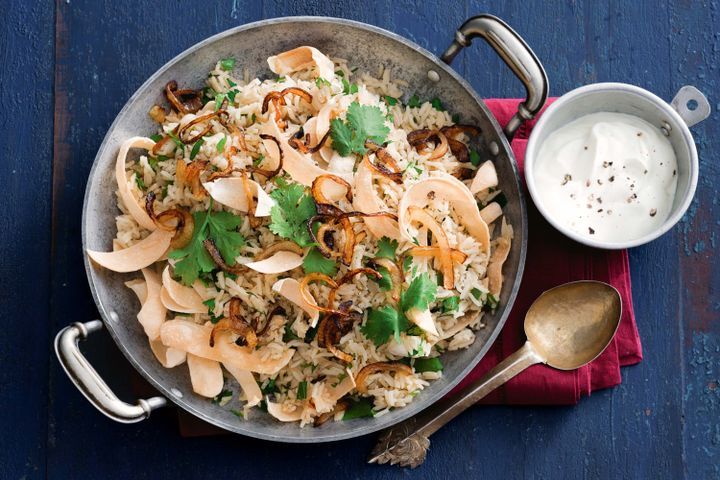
(307, 296)
(389, 215)
(278, 97)
(456, 255)
(395, 275)
(420, 138)
(268, 174)
(304, 147)
(317, 192)
(236, 324)
(202, 118)
(452, 131)
(340, 406)
(283, 246)
(421, 216)
(183, 101)
(324, 248)
(189, 174)
(184, 223)
(276, 311)
(377, 367)
(333, 327)
(382, 168)
(155, 151)
(215, 254)
(247, 186)
(325, 232)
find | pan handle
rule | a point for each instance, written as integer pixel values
(515, 53)
(89, 382)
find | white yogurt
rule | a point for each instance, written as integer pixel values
(608, 176)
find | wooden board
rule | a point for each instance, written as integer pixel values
(67, 70)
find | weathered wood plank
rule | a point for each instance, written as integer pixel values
(26, 79)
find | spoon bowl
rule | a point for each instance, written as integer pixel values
(570, 325)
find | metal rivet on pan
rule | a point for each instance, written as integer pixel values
(494, 149)
(114, 316)
(176, 392)
(665, 131)
(433, 76)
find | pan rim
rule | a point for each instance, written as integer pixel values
(362, 429)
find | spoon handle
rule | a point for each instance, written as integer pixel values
(440, 413)
(407, 442)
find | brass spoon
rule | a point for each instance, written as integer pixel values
(566, 327)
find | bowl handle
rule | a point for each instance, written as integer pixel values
(689, 95)
(515, 53)
(89, 382)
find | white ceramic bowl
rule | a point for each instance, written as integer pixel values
(688, 108)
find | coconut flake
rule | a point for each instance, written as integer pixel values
(145, 252)
(168, 357)
(230, 192)
(127, 189)
(193, 338)
(485, 177)
(185, 297)
(205, 375)
(280, 262)
(423, 319)
(290, 289)
(448, 188)
(278, 410)
(247, 382)
(491, 212)
(302, 58)
(494, 270)
(366, 200)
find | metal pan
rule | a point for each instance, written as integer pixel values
(366, 47)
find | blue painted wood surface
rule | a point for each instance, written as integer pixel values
(68, 68)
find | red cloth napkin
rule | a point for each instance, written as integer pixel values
(553, 259)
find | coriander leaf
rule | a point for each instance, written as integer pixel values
(437, 104)
(302, 390)
(362, 122)
(289, 217)
(231, 83)
(280, 79)
(420, 294)
(221, 144)
(456, 118)
(382, 323)
(474, 158)
(390, 100)
(450, 304)
(237, 413)
(385, 281)
(223, 231)
(414, 102)
(361, 408)
(427, 365)
(407, 263)
(340, 73)
(156, 138)
(289, 334)
(193, 257)
(349, 88)
(227, 64)
(139, 180)
(386, 248)
(178, 143)
(491, 303)
(476, 292)
(196, 148)
(314, 261)
(342, 137)
(319, 82)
